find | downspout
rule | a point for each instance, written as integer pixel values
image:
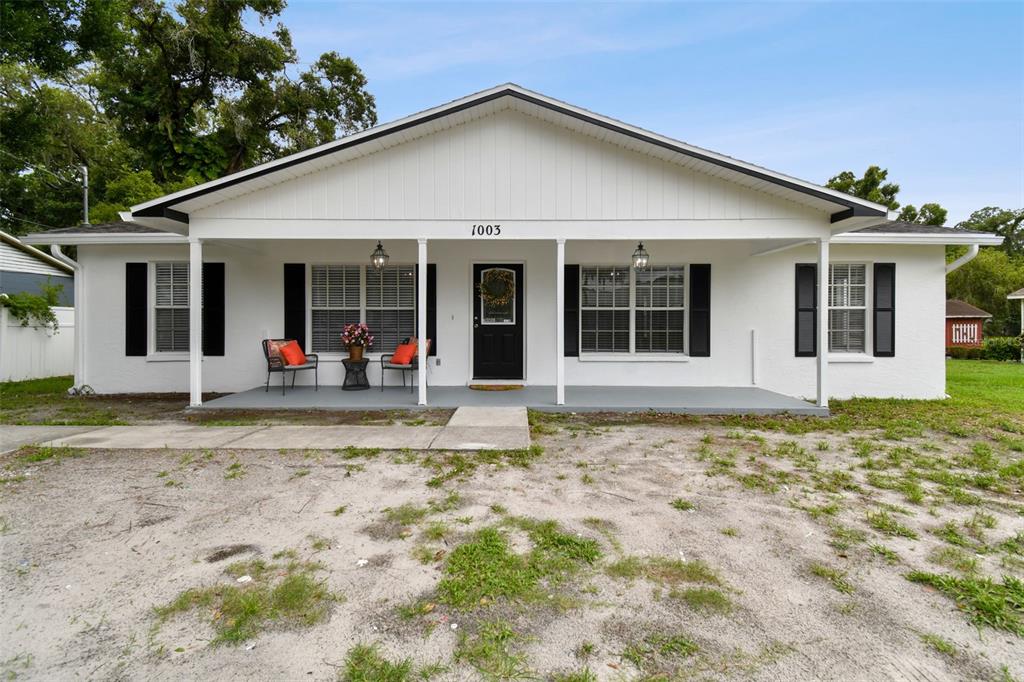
(79, 301)
(972, 251)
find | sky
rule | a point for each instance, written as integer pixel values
(934, 92)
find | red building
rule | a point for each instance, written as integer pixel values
(964, 324)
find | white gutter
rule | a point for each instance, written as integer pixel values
(972, 251)
(79, 301)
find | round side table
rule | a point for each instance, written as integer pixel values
(355, 375)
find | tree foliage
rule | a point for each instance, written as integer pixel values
(985, 282)
(1008, 223)
(154, 97)
(873, 186)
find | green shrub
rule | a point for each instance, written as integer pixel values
(35, 309)
(964, 353)
(1005, 348)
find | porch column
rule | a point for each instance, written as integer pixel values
(560, 322)
(823, 323)
(421, 324)
(195, 322)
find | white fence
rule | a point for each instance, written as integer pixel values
(965, 333)
(36, 352)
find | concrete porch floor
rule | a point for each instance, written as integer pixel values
(683, 400)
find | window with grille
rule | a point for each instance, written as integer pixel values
(390, 305)
(660, 312)
(171, 307)
(847, 307)
(335, 298)
(627, 311)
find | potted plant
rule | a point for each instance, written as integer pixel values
(356, 337)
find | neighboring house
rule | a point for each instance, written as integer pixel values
(24, 268)
(755, 279)
(31, 352)
(964, 324)
(1019, 296)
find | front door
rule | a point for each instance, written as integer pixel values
(498, 292)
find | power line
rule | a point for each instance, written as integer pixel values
(39, 168)
(32, 222)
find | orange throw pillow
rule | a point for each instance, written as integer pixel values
(292, 354)
(404, 354)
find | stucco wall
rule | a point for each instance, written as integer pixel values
(747, 293)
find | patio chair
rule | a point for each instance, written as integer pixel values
(275, 363)
(412, 367)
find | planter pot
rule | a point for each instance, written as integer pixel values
(355, 353)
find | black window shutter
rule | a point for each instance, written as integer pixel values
(295, 302)
(884, 324)
(571, 314)
(806, 310)
(700, 311)
(213, 309)
(136, 290)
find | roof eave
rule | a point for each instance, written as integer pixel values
(952, 239)
(75, 239)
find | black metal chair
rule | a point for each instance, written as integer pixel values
(275, 363)
(412, 367)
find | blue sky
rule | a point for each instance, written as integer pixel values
(932, 91)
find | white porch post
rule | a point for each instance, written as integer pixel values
(823, 323)
(421, 315)
(195, 322)
(559, 322)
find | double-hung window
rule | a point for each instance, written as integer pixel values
(847, 307)
(343, 294)
(391, 305)
(628, 311)
(170, 310)
(336, 301)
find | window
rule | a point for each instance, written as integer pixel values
(847, 307)
(627, 311)
(391, 305)
(335, 303)
(171, 307)
(388, 308)
(660, 310)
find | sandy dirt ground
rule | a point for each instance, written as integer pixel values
(91, 543)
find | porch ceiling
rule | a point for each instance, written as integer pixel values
(703, 400)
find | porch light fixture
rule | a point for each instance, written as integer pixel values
(379, 257)
(640, 257)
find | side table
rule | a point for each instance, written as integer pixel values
(355, 375)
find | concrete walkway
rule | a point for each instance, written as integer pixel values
(470, 428)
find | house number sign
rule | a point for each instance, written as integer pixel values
(486, 230)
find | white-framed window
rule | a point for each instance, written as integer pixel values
(170, 307)
(847, 307)
(343, 294)
(335, 298)
(390, 305)
(627, 311)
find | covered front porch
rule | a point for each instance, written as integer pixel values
(700, 400)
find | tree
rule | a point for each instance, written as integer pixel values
(873, 187)
(1008, 223)
(930, 214)
(196, 92)
(54, 36)
(985, 282)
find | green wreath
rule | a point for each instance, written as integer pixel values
(497, 288)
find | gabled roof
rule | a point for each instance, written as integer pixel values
(119, 232)
(35, 253)
(958, 308)
(1017, 294)
(175, 208)
(117, 227)
(902, 232)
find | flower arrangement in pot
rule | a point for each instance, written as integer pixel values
(356, 337)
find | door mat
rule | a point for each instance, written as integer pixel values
(495, 387)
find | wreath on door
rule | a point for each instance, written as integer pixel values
(497, 287)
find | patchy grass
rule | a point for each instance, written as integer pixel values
(365, 663)
(279, 595)
(659, 655)
(939, 644)
(449, 466)
(703, 599)
(834, 576)
(492, 651)
(885, 522)
(664, 571)
(486, 569)
(886, 553)
(986, 602)
(682, 505)
(33, 454)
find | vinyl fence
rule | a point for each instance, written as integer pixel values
(36, 352)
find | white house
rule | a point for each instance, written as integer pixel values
(507, 183)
